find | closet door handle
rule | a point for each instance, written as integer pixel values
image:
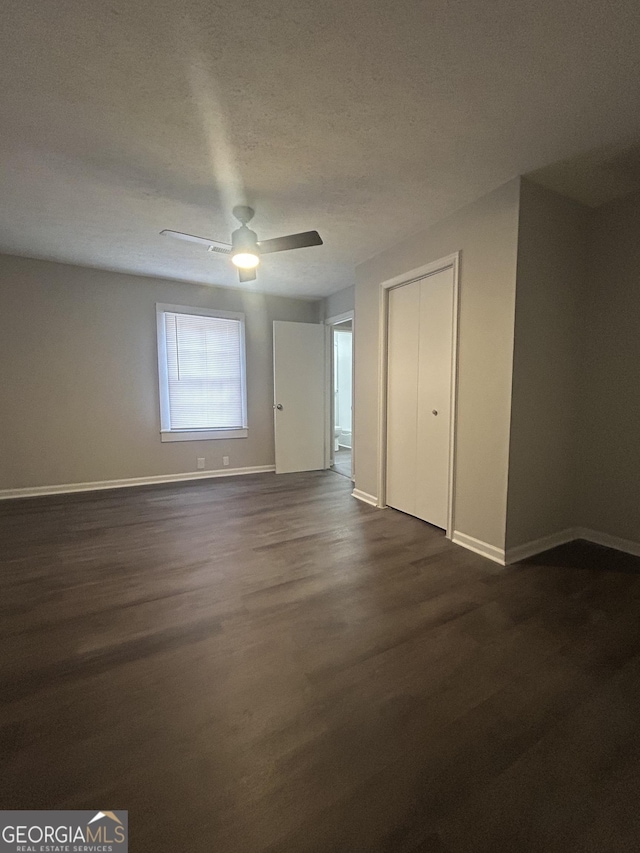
(434, 411)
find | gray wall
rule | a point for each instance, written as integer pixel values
(609, 485)
(551, 283)
(80, 391)
(486, 232)
(340, 302)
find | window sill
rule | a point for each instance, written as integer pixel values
(202, 434)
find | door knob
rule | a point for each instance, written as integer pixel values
(434, 411)
(278, 406)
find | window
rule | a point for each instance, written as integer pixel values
(201, 367)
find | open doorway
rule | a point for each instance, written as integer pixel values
(342, 394)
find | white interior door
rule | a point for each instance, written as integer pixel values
(300, 393)
(420, 364)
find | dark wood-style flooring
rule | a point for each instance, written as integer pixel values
(264, 664)
(342, 462)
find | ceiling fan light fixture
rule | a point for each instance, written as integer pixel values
(245, 260)
(245, 253)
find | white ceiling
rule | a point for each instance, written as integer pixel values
(367, 120)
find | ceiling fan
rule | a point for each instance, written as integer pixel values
(245, 249)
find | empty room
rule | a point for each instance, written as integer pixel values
(319, 456)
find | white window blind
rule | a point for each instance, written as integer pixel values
(202, 370)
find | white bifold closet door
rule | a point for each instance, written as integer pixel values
(419, 372)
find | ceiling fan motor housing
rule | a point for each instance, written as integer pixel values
(245, 240)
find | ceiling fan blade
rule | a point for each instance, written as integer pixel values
(215, 245)
(247, 275)
(292, 241)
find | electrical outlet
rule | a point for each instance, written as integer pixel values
(200, 461)
(225, 460)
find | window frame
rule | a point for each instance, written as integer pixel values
(166, 433)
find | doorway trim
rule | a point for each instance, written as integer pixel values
(335, 320)
(453, 262)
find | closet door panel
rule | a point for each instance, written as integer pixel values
(402, 385)
(434, 397)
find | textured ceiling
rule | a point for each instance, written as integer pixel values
(363, 119)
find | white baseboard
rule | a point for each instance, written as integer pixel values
(537, 546)
(616, 542)
(99, 485)
(364, 497)
(479, 547)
